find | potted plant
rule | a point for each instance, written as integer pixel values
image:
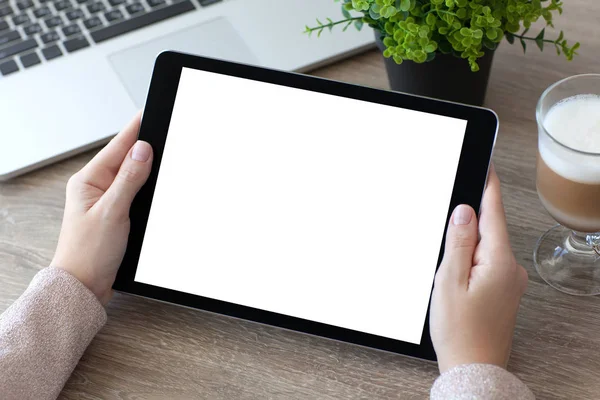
(444, 48)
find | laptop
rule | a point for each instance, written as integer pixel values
(73, 72)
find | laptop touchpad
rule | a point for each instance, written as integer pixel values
(215, 38)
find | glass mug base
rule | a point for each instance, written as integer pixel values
(568, 262)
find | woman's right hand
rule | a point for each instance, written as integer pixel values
(478, 287)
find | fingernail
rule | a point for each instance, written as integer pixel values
(141, 151)
(462, 215)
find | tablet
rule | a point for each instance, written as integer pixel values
(299, 202)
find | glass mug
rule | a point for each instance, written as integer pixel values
(567, 256)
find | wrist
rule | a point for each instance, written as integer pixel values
(447, 363)
(103, 294)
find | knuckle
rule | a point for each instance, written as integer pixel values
(129, 174)
(107, 216)
(462, 240)
(73, 181)
(440, 277)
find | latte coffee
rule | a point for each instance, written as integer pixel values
(568, 166)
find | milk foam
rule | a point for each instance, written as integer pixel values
(574, 122)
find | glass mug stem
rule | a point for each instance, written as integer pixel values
(580, 242)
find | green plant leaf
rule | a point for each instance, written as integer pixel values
(417, 30)
(445, 47)
(510, 38)
(345, 13)
(491, 34)
(539, 39)
(488, 44)
(374, 14)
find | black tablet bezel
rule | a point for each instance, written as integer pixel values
(468, 188)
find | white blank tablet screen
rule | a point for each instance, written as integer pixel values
(300, 203)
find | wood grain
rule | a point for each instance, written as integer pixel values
(150, 350)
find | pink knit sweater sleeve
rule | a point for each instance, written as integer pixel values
(479, 381)
(44, 334)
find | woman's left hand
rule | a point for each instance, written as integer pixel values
(95, 226)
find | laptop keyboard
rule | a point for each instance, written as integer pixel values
(32, 31)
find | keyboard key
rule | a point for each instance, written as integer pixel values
(8, 67)
(60, 5)
(53, 22)
(205, 3)
(4, 11)
(155, 3)
(75, 44)
(143, 20)
(51, 52)
(20, 19)
(42, 12)
(24, 4)
(71, 30)
(9, 37)
(96, 7)
(32, 29)
(92, 23)
(3, 26)
(30, 60)
(113, 15)
(115, 3)
(74, 14)
(17, 48)
(135, 8)
(50, 37)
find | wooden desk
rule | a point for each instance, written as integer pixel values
(150, 350)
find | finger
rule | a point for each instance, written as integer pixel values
(461, 241)
(100, 172)
(492, 220)
(132, 175)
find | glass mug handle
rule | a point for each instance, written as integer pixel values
(593, 240)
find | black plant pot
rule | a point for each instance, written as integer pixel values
(446, 77)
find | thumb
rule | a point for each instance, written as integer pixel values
(132, 175)
(461, 241)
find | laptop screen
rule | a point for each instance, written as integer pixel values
(305, 204)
